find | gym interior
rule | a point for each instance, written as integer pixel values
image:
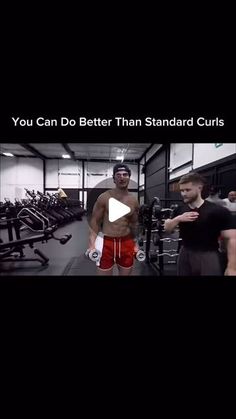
(44, 233)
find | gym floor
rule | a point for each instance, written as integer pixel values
(68, 259)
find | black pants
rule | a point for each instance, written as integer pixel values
(198, 263)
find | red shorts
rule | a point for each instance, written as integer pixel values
(118, 250)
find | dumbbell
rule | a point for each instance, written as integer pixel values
(94, 255)
(153, 257)
(140, 255)
(155, 240)
(170, 239)
(174, 206)
(156, 212)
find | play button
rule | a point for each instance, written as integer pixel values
(116, 209)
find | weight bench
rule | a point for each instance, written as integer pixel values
(9, 250)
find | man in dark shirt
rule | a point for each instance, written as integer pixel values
(201, 224)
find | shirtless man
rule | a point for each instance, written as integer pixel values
(118, 237)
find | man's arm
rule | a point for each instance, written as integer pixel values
(170, 224)
(230, 236)
(96, 221)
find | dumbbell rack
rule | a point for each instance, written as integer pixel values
(155, 215)
(160, 265)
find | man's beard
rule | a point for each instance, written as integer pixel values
(191, 199)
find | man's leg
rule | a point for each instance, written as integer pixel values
(124, 271)
(125, 257)
(107, 260)
(104, 272)
(210, 264)
(183, 265)
(204, 263)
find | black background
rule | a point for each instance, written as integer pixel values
(133, 83)
(146, 61)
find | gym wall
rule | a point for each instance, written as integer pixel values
(142, 171)
(155, 172)
(215, 161)
(180, 163)
(207, 153)
(63, 173)
(21, 172)
(180, 160)
(187, 157)
(97, 178)
(18, 173)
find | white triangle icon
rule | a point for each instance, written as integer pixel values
(116, 210)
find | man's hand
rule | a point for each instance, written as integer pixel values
(188, 216)
(90, 248)
(136, 248)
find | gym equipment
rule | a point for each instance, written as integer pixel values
(13, 249)
(140, 256)
(95, 255)
(156, 239)
(38, 204)
(50, 205)
(152, 220)
(32, 219)
(155, 254)
(64, 239)
(141, 241)
(170, 239)
(73, 206)
(55, 208)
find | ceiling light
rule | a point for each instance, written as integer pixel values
(121, 158)
(66, 156)
(8, 154)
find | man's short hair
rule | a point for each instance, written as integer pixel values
(121, 167)
(193, 177)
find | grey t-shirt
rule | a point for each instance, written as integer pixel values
(230, 205)
(216, 200)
